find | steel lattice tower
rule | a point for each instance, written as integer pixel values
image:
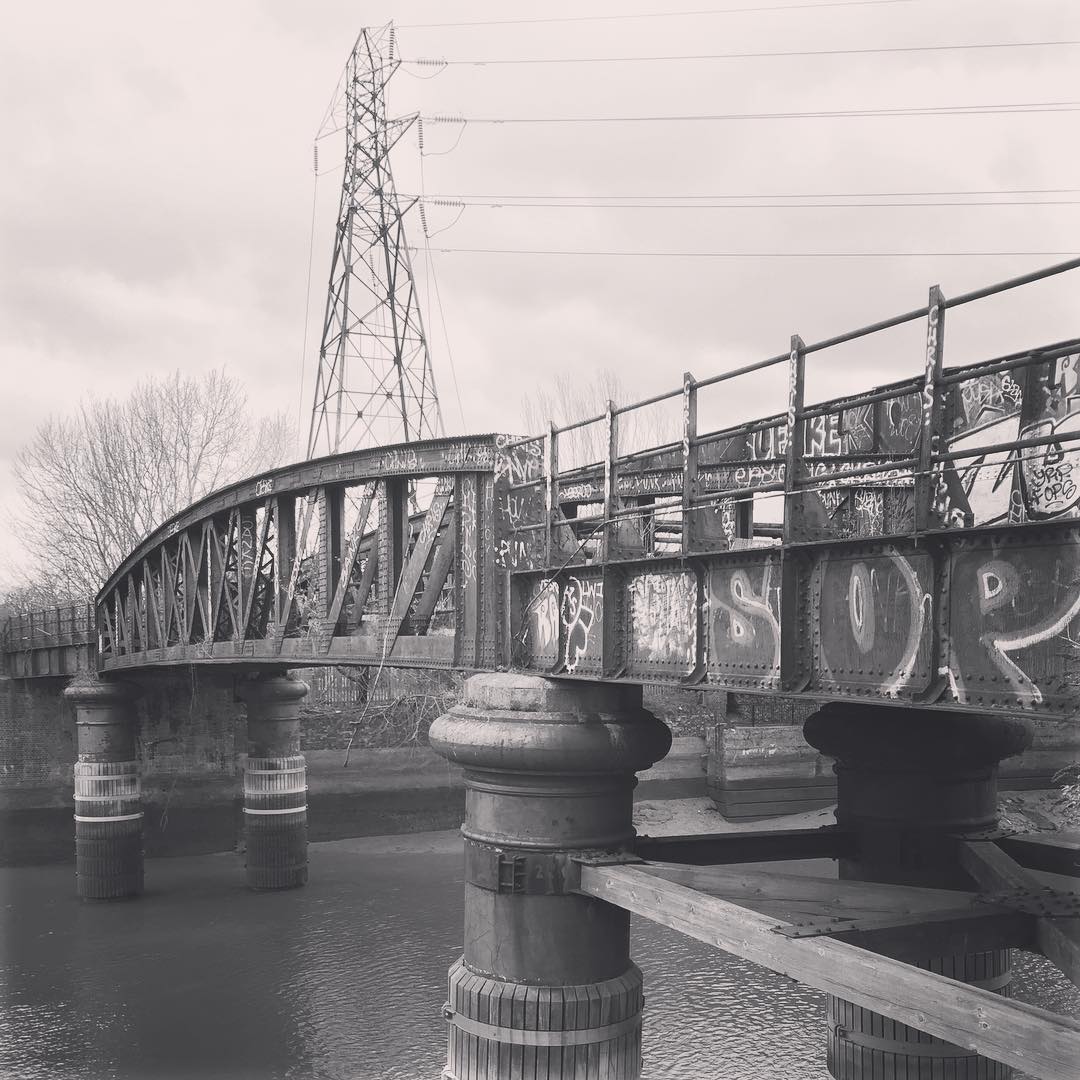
(374, 384)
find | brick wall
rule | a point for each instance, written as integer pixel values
(187, 725)
(37, 732)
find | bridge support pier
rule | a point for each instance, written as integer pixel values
(108, 806)
(910, 784)
(545, 982)
(275, 787)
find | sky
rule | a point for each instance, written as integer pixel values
(157, 193)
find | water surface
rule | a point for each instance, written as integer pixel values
(344, 979)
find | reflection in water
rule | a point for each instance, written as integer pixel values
(343, 979)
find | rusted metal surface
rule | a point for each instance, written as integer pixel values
(923, 547)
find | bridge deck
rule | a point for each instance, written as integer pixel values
(918, 542)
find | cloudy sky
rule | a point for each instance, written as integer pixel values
(157, 188)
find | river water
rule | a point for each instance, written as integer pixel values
(345, 978)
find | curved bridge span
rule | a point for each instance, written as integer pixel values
(956, 584)
(914, 543)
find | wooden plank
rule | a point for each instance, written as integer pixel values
(1058, 939)
(1039, 1042)
(914, 936)
(840, 895)
(1058, 853)
(827, 842)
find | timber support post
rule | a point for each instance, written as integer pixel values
(275, 783)
(912, 785)
(546, 980)
(108, 801)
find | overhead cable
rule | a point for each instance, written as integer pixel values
(816, 114)
(440, 62)
(655, 14)
(752, 254)
(783, 194)
(586, 205)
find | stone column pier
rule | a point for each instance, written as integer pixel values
(108, 807)
(275, 787)
(545, 983)
(909, 784)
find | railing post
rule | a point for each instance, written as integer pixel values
(610, 530)
(930, 494)
(793, 616)
(793, 452)
(551, 490)
(691, 454)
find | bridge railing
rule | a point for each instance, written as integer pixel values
(48, 628)
(981, 444)
(913, 541)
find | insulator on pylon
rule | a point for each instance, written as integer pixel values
(420, 132)
(423, 218)
(316, 158)
(393, 42)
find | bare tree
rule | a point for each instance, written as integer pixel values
(568, 400)
(96, 483)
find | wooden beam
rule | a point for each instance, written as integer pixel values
(838, 895)
(917, 935)
(1058, 939)
(827, 842)
(1039, 1042)
(1057, 853)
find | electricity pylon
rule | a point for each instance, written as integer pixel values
(374, 384)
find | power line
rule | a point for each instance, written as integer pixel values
(438, 200)
(439, 62)
(817, 114)
(655, 14)
(783, 195)
(754, 254)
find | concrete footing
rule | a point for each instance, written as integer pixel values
(108, 810)
(909, 785)
(275, 784)
(545, 981)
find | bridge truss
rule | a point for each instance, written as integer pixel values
(928, 550)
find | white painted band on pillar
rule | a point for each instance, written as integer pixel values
(105, 798)
(115, 817)
(278, 791)
(524, 1037)
(282, 810)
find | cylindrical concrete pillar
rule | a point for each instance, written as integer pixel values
(909, 783)
(275, 783)
(545, 983)
(108, 808)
